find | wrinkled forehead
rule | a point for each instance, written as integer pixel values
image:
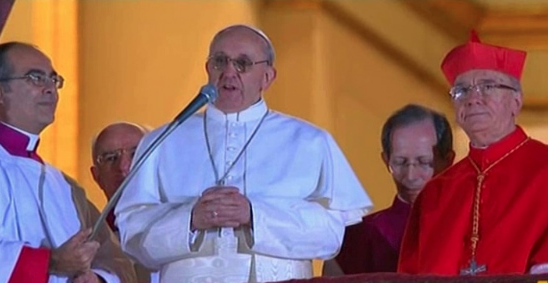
(239, 40)
(414, 136)
(25, 58)
(480, 75)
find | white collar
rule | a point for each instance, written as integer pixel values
(254, 112)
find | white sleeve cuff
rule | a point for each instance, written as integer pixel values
(539, 268)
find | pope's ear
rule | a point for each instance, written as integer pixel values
(269, 77)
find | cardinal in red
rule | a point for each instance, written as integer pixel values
(486, 214)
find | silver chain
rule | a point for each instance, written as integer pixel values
(220, 181)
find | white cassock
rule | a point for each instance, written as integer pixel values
(301, 188)
(32, 215)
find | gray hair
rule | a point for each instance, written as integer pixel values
(515, 83)
(268, 50)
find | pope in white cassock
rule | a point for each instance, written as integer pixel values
(239, 193)
(43, 216)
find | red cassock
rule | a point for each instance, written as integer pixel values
(513, 222)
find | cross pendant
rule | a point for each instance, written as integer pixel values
(473, 269)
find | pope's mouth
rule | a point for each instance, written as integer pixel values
(229, 88)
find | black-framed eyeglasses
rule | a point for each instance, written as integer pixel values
(241, 64)
(39, 80)
(112, 157)
(487, 88)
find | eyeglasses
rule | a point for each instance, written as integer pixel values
(111, 157)
(400, 166)
(242, 64)
(460, 92)
(39, 80)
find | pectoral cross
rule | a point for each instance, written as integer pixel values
(473, 269)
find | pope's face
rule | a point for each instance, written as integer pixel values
(237, 67)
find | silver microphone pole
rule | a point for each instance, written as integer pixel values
(208, 93)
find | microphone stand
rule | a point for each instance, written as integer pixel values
(207, 93)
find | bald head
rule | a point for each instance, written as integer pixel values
(115, 133)
(112, 153)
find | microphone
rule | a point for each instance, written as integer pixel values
(208, 93)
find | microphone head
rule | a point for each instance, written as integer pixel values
(210, 91)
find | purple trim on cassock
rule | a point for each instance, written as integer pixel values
(373, 245)
(15, 143)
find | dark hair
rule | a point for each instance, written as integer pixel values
(6, 67)
(413, 113)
